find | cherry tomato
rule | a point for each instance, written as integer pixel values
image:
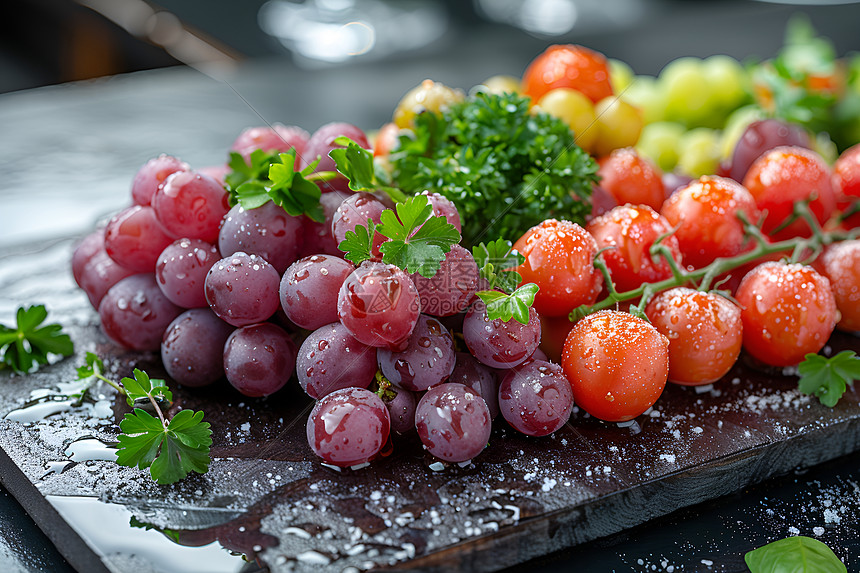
(559, 258)
(631, 178)
(568, 66)
(840, 263)
(784, 176)
(616, 364)
(631, 230)
(704, 331)
(705, 212)
(846, 183)
(553, 333)
(788, 311)
(386, 140)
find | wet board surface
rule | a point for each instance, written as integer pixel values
(267, 496)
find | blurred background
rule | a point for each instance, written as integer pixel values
(52, 41)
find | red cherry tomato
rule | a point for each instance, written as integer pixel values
(788, 311)
(559, 258)
(568, 66)
(630, 178)
(784, 176)
(705, 212)
(386, 140)
(631, 230)
(846, 183)
(553, 333)
(704, 331)
(616, 364)
(840, 263)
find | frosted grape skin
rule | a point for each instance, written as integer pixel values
(309, 290)
(348, 427)
(259, 359)
(192, 349)
(242, 289)
(134, 313)
(453, 422)
(536, 398)
(330, 359)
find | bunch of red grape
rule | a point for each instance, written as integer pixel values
(259, 296)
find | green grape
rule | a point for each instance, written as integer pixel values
(688, 95)
(735, 126)
(660, 142)
(646, 93)
(699, 152)
(728, 82)
(620, 75)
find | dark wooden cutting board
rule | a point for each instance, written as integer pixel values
(267, 496)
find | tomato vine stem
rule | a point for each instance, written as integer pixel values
(802, 249)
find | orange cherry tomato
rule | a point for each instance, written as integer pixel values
(704, 331)
(559, 258)
(617, 365)
(630, 178)
(705, 212)
(784, 176)
(568, 66)
(788, 311)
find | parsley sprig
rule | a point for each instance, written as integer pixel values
(28, 344)
(274, 177)
(497, 261)
(356, 164)
(506, 306)
(170, 448)
(828, 378)
(505, 298)
(418, 240)
(506, 168)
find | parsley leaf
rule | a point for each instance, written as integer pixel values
(255, 169)
(141, 386)
(28, 344)
(419, 239)
(796, 553)
(356, 164)
(171, 451)
(506, 306)
(827, 378)
(496, 261)
(358, 244)
(292, 190)
(506, 168)
(93, 367)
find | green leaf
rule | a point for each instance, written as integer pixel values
(828, 378)
(252, 194)
(28, 344)
(290, 190)
(419, 239)
(142, 386)
(358, 244)
(797, 554)
(356, 164)
(94, 365)
(506, 306)
(255, 169)
(504, 167)
(496, 260)
(171, 452)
